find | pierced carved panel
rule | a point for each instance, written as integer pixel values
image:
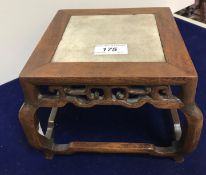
(127, 96)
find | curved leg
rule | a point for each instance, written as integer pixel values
(29, 122)
(185, 144)
(194, 119)
(192, 130)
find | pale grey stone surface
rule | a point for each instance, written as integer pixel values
(83, 33)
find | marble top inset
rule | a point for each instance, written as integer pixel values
(83, 33)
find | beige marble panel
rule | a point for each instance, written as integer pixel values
(83, 33)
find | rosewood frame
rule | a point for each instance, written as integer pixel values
(177, 70)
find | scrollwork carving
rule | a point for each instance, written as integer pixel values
(127, 96)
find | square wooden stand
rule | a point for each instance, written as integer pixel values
(126, 83)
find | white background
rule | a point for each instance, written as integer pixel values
(22, 23)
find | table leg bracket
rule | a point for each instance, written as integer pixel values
(157, 96)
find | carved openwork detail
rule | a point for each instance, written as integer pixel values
(127, 96)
